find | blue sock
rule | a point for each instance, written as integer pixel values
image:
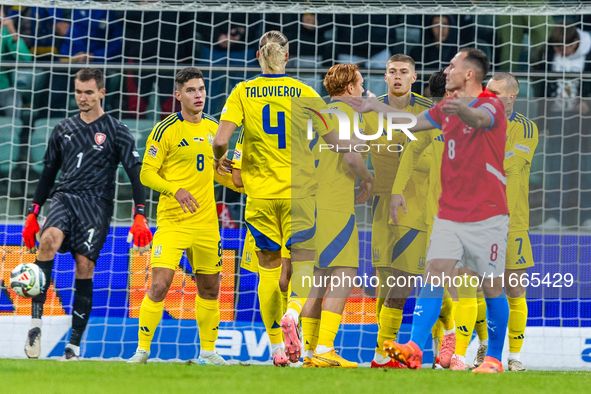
(426, 313)
(497, 314)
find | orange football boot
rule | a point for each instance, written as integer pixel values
(490, 365)
(408, 354)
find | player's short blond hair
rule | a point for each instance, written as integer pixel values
(339, 77)
(273, 46)
(511, 82)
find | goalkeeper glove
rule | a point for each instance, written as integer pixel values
(31, 230)
(139, 232)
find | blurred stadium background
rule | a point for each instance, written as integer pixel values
(142, 43)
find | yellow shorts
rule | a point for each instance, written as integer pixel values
(203, 248)
(382, 233)
(271, 221)
(250, 260)
(410, 250)
(519, 253)
(337, 240)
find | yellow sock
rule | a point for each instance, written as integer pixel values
(300, 289)
(390, 322)
(481, 328)
(446, 311)
(207, 314)
(517, 322)
(271, 303)
(382, 292)
(310, 328)
(284, 298)
(465, 317)
(329, 326)
(150, 316)
(437, 332)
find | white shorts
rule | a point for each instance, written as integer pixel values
(478, 246)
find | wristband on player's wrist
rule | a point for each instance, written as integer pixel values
(139, 210)
(35, 209)
(216, 159)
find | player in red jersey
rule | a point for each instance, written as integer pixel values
(472, 220)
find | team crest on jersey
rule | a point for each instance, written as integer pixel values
(158, 251)
(210, 138)
(99, 138)
(376, 255)
(152, 151)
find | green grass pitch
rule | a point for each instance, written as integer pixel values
(49, 377)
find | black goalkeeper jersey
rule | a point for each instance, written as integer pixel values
(88, 155)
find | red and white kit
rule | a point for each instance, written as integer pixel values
(472, 220)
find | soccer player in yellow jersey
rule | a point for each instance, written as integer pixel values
(397, 251)
(337, 237)
(522, 140)
(250, 261)
(276, 154)
(178, 164)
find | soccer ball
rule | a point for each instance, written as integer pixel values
(27, 280)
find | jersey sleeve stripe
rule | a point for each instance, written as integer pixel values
(158, 137)
(160, 124)
(241, 136)
(206, 116)
(433, 122)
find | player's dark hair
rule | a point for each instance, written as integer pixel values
(437, 84)
(401, 57)
(87, 74)
(185, 75)
(479, 60)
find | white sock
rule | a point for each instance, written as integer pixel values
(485, 342)
(379, 359)
(513, 356)
(461, 358)
(206, 353)
(435, 347)
(321, 349)
(294, 314)
(36, 323)
(447, 332)
(309, 353)
(75, 348)
(275, 346)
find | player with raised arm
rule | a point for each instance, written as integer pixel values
(87, 148)
(337, 237)
(178, 164)
(522, 140)
(472, 218)
(275, 157)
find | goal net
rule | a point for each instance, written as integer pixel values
(141, 44)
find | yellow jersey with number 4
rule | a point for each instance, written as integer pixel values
(180, 153)
(277, 162)
(522, 140)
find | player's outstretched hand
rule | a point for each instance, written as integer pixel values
(30, 231)
(397, 202)
(140, 234)
(362, 104)
(187, 201)
(365, 190)
(454, 105)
